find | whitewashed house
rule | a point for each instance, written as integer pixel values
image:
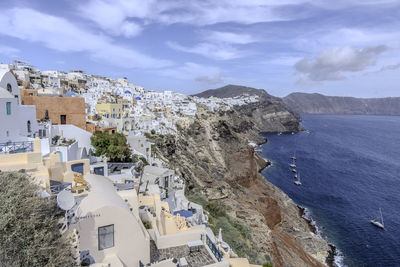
(18, 122)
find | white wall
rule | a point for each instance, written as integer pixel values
(72, 132)
(8, 78)
(15, 123)
(9, 123)
(27, 113)
(130, 243)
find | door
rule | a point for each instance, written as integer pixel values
(63, 119)
(77, 167)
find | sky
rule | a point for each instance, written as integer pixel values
(341, 47)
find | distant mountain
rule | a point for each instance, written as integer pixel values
(320, 104)
(232, 91)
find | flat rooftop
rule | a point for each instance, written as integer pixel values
(194, 259)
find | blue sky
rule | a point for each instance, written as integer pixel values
(342, 47)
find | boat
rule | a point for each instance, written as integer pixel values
(297, 181)
(279, 133)
(294, 170)
(292, 165)
(294, 156)
(295, 175)
(379, 224)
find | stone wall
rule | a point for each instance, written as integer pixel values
(72, 107)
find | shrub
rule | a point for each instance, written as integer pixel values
(135, 158)
(148, 225)
(29, 234)
(216, 209)
(113, 146)
(143, 159)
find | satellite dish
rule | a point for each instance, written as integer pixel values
(65, 200)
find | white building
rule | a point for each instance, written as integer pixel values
(109, 226)
(18, 122)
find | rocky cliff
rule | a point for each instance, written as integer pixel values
(221, 169)
(320, 104)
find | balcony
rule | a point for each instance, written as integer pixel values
(16, 147)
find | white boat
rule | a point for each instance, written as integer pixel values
(294, 170)
(294, 156)
(295, 176)
(297, 181)
(378, 223)
(292, 165)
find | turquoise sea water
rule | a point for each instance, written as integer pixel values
(349, 167)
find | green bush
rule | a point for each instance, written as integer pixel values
(113, 146)
(267, 264)
(143, 159)
(234, 232)
(153, 132)
(216, 209)
(148, 225)
(135, 158)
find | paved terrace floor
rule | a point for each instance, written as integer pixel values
(194, 259)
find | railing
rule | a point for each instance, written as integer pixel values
(217, 253)
(16, 147)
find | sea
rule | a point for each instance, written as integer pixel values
(349, 169)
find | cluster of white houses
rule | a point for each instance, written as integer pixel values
(120, 216)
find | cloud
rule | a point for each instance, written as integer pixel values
(109, 14)
(189, 71)
(211, 50)
(229, 37)
(390, 67)
(9, 51)
(61, 35)
(114, 17)
(218, 78)
(332, 64)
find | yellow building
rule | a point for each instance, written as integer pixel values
(43, 169)
(110, 110)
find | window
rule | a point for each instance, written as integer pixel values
(106, 236)
(9, 88)
(28, 126)
(63, 119)
(8, 107)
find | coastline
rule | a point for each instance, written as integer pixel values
(333, 258)
(333, 253)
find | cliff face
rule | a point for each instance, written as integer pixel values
(214, 158)
(321, 104)
(269, 114)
